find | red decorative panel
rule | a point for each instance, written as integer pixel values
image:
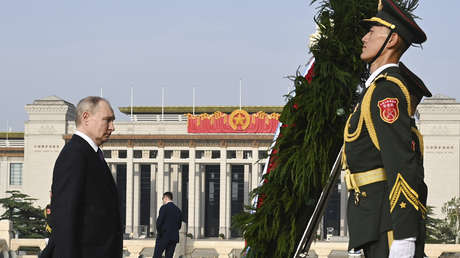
(239, 121)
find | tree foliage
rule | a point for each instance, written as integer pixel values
(28, 221)
(447, 228)
(438, 231)
(312, 133)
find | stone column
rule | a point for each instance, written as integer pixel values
(256, 174)
(160, 178)
(223, 194)
(129, 190)
(228, 200)
(180, 187)
(153, 198)
(255, 169)
(113, 169)
(174, 173)
(201, 202)
(4, 169)
(198, 207)
(136, 198)
(167, 177)
(192, 227)
(246, 187)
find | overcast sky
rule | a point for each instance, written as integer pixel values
(72, 49)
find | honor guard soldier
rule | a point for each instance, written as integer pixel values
(383, 150)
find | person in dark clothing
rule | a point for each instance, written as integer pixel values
(85, 204)
(169, 222)
(47, 252)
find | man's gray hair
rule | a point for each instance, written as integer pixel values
(88, 104)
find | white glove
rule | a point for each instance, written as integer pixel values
(403, 248)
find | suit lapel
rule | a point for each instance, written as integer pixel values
(105, 170)
(103, 167)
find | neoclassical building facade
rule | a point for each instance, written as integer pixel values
(210, 158)
(209, 172)
(439, 123)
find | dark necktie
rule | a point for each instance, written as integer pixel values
(101, 155)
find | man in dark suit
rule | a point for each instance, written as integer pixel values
(168, 224)
(85, 203)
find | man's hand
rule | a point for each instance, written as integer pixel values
(403, 248)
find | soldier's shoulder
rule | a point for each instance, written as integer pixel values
(391, 82)
(390, 76)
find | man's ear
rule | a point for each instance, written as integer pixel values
(85, 116)
(394, 39)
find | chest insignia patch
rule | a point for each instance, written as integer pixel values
(389, 111)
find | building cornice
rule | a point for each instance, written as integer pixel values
(11, 135)
(439, 108)
(11, 152)
(198, 110)
(263, 137)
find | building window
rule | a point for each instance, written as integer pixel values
(231, 154)
(153, 154)
(122, 154)
(137, 154)
(16, 174)
(199, 154)
(168, 154)
(247, 154)
(184, 154)
(215, 154)
(107, 154)
(263, 154)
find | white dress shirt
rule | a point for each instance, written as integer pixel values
(377, 72)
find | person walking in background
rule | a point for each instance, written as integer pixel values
(85, 205)
(168, 224)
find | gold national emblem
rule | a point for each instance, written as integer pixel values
(239, 119)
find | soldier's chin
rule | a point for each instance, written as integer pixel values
(365, 59)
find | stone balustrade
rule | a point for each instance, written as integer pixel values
(188, 247)
(224, 247)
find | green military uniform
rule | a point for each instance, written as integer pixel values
(378, 141)
(383, 150)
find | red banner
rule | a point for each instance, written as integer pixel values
(239, 121)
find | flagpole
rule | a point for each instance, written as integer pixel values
(193, 107)
(162, 103)
(132, 102)
(101, 92)
(240, 94)
(7, 125)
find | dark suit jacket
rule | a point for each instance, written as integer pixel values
(85, 205)
(169, 222)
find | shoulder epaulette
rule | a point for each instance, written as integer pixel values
(365, 116)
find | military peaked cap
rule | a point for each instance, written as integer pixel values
(391, 16)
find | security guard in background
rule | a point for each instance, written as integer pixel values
(382, 155)
(47, 252)
(49, 223)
